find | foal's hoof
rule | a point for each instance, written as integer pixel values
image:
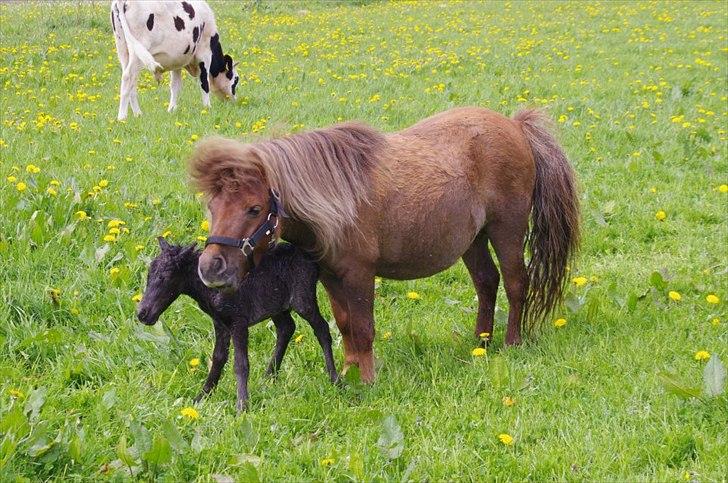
(241, 406)
(199, 397)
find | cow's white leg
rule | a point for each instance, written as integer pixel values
(135, 96)
(124, 94)
(175, 86)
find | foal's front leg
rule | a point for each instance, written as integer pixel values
(242, 368)
(219, 358)
(285, 327)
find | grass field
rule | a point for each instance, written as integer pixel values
(638, 92)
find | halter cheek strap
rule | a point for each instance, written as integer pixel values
(267, 228)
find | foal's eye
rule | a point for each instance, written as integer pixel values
(255, 211)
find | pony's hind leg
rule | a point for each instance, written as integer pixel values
(285, 327)
(507, 238)
(485, 277)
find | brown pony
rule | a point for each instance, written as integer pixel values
(403, 205)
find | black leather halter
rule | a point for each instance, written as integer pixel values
(247, 245)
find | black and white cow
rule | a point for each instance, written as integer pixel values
(168, 36)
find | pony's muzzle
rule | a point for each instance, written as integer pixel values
(213, 269)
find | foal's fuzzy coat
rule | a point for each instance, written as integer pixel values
(285, 280)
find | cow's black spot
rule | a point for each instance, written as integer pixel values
(188, 8)
(235, 84)
(203, 78)
(186, 50)
(179, 24)
(113, 23)
(150, 21)
(218, 60)
(195, 34)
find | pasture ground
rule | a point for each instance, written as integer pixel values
(638, 92)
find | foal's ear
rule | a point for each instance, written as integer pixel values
(187, 250)
(163, 243)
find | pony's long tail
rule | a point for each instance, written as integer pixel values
(554, 235)
(134, 46)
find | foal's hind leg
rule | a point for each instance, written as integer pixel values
(507, 238)
(323, 335)
(485, 277)
(285, 327)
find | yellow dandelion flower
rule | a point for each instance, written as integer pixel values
(723, 188)
(109, 238)
(12, 179)
(114, 272)
(21, 186)
(104, 183)
(484, 335)
(166, 234)
(579, 281)
(205, 225)
(81, 215)
(715, 321)
(190, 413)
(387, 335)
(298, 339)
(674, 296)
(506, 439)
(114, 231)
(32, 169)
(712, 299)
(51, 191)
(413, 296)
(559, 323)
(478, 352)
(115, 223)
(137, 298)
(202, 239)
(702, 356)
(194, 362)
(508, 401)
(325, 462)
(660, 215)
(16, 393)
(54, 182)
(138, 247)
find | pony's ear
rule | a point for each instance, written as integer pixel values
(228, 62)
(163, 243)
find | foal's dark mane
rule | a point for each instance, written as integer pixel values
(323, 176)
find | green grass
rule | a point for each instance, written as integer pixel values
(639, 93)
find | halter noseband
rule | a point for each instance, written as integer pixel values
(247, 245)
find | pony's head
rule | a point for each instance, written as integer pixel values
(242, 210)
(322, 177)
(166, 280)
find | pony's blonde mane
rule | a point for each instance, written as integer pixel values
(323, 176)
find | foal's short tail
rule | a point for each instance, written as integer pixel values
(554, 235)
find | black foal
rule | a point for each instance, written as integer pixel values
(284, 280)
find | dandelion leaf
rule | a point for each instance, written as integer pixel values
(714, 377)
(671, 384)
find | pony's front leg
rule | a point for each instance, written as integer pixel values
(352, 302)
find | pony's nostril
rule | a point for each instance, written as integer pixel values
(218, 264)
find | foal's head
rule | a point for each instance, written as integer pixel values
(168, 274)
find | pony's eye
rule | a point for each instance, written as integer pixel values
(255, 211)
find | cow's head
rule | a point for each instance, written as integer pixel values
(225, 83)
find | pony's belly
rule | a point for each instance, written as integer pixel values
(423, 259)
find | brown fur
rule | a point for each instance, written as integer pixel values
(447, 187)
